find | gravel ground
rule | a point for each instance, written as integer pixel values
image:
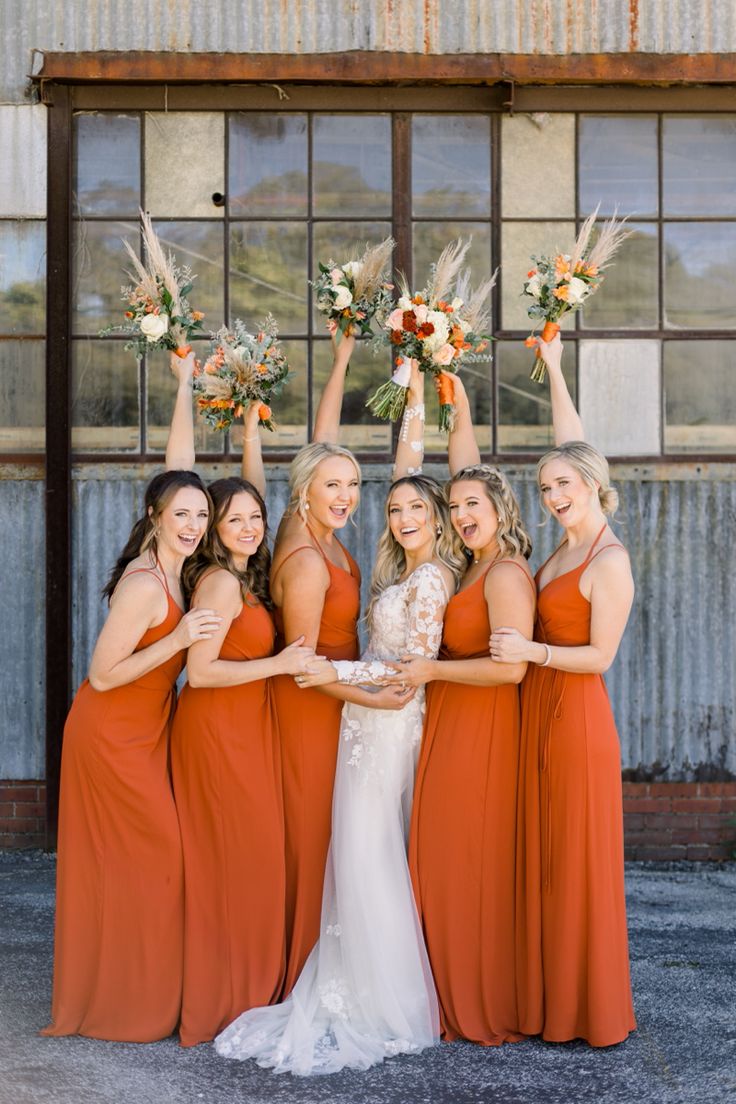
(682, 921)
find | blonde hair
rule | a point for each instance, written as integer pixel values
(390, 556)
(592, 467)
(512, 537)
(303, 469)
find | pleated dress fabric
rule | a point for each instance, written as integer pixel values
(572, 945)
(309, 726)
(119, 894)
(462, 843)
(226, 767)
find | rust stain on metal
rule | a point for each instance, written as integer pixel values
(633, 24)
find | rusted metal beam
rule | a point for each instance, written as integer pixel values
(366, 67)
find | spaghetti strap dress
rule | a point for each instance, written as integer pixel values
(119, 891)
(227, 784)
(572, 945)
(309, 725)
(462, 842)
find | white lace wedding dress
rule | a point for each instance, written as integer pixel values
(366, 990)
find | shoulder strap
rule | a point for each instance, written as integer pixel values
(552, 555)
(148, 571)
(513, 563)
(290, 554)
(605, 548)
(589, 557)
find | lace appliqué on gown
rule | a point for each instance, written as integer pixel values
(366, 991)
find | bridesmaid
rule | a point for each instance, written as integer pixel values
(225, 754)
(117, 968)
(463, 829)
(573, 954)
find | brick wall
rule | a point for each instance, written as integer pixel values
(662, 820)
(22, 814)
(680, 820)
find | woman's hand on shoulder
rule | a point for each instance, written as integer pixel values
(198, 624)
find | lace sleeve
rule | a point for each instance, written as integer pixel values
(366, 672)
(427, 601)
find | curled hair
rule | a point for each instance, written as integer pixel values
(213, 553)
(512, 537)
(143, 535)
(390, 556)
(592, 467)
(303, 469)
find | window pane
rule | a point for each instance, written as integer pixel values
(105, 404)
(358, 428)
(477, 379)
(339, 242)
(22, 277)
(108, 168)
(199, 245)
(268, 164)
(430, 238)
(161, 394)
(629, 294)
(524, 409)
(698, 275)
(99, 265)
(171, 193)
(451, 165)
(352, 165)
(538, 165)
(22, 405)
(617, 164)
(290, 410)
(699, 165)
(520, 240)
(700, 399)
(268, 272)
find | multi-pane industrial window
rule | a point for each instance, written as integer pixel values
(252, 200)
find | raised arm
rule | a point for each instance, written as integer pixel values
(180, 445)
(462, 447)
(327, 418)
(410, 444)
(252, 466)
(565, 418)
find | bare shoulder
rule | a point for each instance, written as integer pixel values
(139, 584)
(218, 586)
(509, 572)
(609, 569)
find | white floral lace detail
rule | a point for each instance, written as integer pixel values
(335, 996)
(333, 929)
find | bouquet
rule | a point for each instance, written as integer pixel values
(351, 294)
(561, 284)
(158, 314)
(441, 328)
(242, 368)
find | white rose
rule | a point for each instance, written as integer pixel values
(343, 298)
(154, 326)
(352, 268)
(577, 290)
(441, 331)
(405, 303)
(534, 286)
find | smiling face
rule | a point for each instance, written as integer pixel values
(565, 493)
(410, 520)
(333, 492)
(241, 527)
(473, 515)
(183, 521)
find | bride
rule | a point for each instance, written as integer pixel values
(366, 990)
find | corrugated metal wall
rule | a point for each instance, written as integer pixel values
(316, 26)
(673, 685)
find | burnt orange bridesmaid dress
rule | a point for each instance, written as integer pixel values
(227, 784)
(573, 962)
(119, 893)
(462, 842)
(309, 725)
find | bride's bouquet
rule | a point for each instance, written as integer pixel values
(350, 295)
(441, 327)
(242, 368)
(561, 284)
(158, 314)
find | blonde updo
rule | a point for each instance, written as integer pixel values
(592, 467)
(512, 537)
(303, 469)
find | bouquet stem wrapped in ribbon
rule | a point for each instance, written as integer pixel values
(441, 328)
(242, 368)
(158, 314)
(559, 285)
(351, 294)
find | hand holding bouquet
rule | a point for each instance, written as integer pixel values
(243, 368)
(440, 327)
(351, 294)
(562, 283)
(158, 314)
